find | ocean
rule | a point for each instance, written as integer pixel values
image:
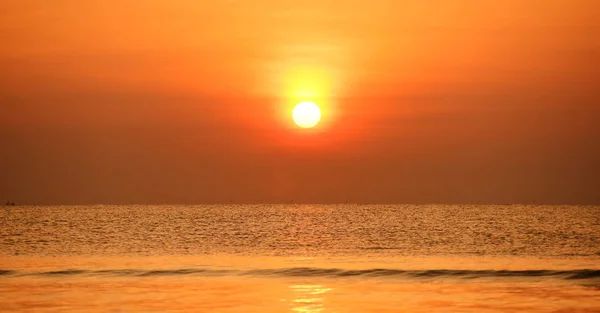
(300, 258)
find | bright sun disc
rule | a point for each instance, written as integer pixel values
(306, 114)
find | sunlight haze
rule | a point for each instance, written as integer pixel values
(191, 101)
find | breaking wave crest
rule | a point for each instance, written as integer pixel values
(324, 272)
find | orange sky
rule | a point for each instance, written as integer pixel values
(190, 101)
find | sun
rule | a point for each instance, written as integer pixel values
(306, 114)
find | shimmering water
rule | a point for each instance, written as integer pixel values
(302, 258)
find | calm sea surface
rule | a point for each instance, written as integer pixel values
(300, 258)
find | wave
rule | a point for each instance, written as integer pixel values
(325, 272)
(441, 273)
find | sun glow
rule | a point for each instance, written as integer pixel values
(298, 81)
(306, 114)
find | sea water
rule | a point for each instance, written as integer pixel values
(300, 258)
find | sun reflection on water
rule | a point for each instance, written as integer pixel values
(308, 298)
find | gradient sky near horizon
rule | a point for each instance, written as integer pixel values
(190, 101)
